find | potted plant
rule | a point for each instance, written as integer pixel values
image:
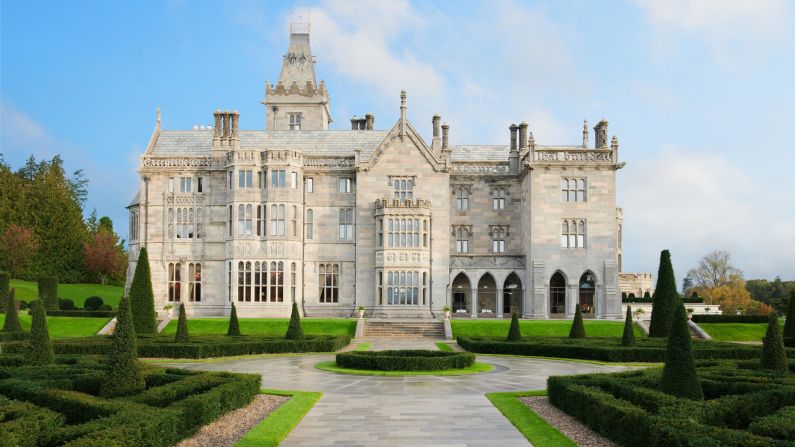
(361, 311)
(639, 312)
(446, 310)
(690, 311)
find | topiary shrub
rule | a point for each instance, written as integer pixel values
(40, 350)
(774, 357)
(577, 326)
(234, 326)
(93, 303)
(105, 307)
(789, 323)
(631, 295)
(679, 376)
(66, 304)
(48, 291)
(12, 323)
(182, 327)
(405, 360)
(515, 332)
(142, 301)
(294, 330)
(5, 286)
(665, 298)
(123, 375)
(623, 295)
(646, 294)
(628, 338)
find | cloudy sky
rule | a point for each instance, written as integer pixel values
(700, 94)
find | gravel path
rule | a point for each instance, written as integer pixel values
(568, 425)
(229, 428)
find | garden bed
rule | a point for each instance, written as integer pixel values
(405, 360)
(743, 406)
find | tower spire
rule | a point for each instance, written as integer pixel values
(298, 65)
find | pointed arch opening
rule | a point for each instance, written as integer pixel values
(587, 292)
(512, 293)
(557, 294)
(487, 295)
(461, 294)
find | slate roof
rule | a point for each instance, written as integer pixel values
(481, 152)
(298, 65)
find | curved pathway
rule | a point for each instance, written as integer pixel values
(404, 411)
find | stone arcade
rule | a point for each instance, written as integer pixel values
(337, 219)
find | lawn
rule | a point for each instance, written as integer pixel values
(273, 429)
(737, 331)
(537, 328)
(267, 326)
(532, 426)
(28, 291)
(65, 327)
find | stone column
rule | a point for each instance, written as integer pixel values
(500, 299)
(474, 309)
(572, 298)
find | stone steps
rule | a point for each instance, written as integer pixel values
(403, 329)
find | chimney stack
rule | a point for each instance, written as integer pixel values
(217, 127)
(436, 121)
(585, 133)
(235, 120)
(513, 129)
(225, 136)
(445, 134)
(369, 121)
(601, 134)
(354, 122)
(523, 136)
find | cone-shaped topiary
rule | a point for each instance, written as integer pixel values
(5, 281)
(48, 292)
(182, 326)
(122, 371)
(628, 338)
(774, 357)
(789, 323)
(665, 298)
(234, 326)
(12, 323)
(142, 301)
(577, 327)
(515, 332)
(679, 373)
(40, 348)
(294, 330)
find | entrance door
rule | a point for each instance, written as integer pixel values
(557, 294)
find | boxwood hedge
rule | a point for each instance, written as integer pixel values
(405, 360)
(729, 318)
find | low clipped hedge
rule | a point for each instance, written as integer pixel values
(405, 360)
(730, 319)
(14, 336)
(606, 349)
(82, 313)
(633, 299)
(197, 348)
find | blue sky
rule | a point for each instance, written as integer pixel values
(698, 92)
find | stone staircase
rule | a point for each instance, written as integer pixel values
(403, 329)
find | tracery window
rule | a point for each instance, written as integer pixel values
(498, 234)
(260, 281)
(174, 282)
(404, 189)
(277, 282)
(498, 198)
(277, 220)
(462, 240)
(572, 233)
(194, 282)
(182, 220)
(295, 121)
(572, 189)
(244, 220)
(244, 281)
(402, 288)
(329, 279)
(461, 197)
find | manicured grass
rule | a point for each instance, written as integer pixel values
(537, 328)
(532, 426)
(363, 347)
(444, 347)
(331, 366)
(65, 327)
(276, 327)
(28, 291)
(273, 429)
(737, 331)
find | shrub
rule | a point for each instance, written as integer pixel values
(679, 373)
(628, 337)
(623, 295)
(40, 349)
(93, 303)
(777, 425)
(631, 295)
(48, 291)
(142, 302)
(405, 360)
(122, 370)
(5, 281)
(729, 319)
(66, 304)
(12, 323)
(774, 357)
(294, 330)
(234, 326)
(105, 308)
(789, 323)
(182, 327)
(514, 333)
(665, 298)
(646, 294)
(577, 327)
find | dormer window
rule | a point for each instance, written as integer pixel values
(295, 121)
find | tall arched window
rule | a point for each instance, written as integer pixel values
(293, 281)
(277, 282)
(295, 220)
(329, 282)
(174, 282)
(194, 282)
(241, 220)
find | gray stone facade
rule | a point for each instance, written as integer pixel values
(335, 220)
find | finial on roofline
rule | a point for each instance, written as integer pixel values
(158, 116)
(402, 114)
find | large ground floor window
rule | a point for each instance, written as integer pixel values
(329, 280)
(176, 277)
(260, 281)
(404, 287)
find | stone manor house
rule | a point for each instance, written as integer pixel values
(337, 219)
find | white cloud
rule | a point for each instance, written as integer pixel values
(19, 132)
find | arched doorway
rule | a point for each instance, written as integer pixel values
(487, 295)
(587, 293)
(462, 294)
(512, 295)
(557, 294)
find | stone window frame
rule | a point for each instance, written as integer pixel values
(278, 216)
(278, 178)
(262, 220)
(174, 285)
(294, 120)
(310, 184)
(403, 187)
(184, 223)
(578, 190)
(345, 185)
(309, 223)
(573, 233)
(245, 220)
(245, 178)
(462, 194)
(499, 196)
(499, 235)
(329, 283)
(185, 185)
(402, 288)
(345, 224)
(462, 235)
(194, 282)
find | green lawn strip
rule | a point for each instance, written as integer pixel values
(230, 358)
(444, 346)
(267, 326)
(65, 327)
(363, 346)
(531, 425)
(28, 291)
(331, 366)
(736, 331)
(561, 359)
(537, 328)
(273, 429)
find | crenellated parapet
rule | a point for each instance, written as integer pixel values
(308, 89)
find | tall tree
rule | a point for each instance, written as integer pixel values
(182, 327)
(679, 376)
(103, 256)
(18, 246)
(665, 298)
(234, 326)
(142, 300)
(714, 270)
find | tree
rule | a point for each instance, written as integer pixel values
(182, 326)
(577, 327)
(628, 338)
(789, 324)
(294, 330)
(104, 257)
(665, 298)
(714, 270)
(731, 297)
(679, 376)
(5, 281)
(142, 300)
(234, 326)
(12, 323)
(123, 375)
(774, 357)
(40, 350)
(18, 246)
(687, 284)
(48, 292)
(515, 332)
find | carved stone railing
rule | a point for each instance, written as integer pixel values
(574, 155)
(185, 199)
(397, 257)
(465, 168)
(329, 162)
(487, 261)
(177, 162)
(242, 156)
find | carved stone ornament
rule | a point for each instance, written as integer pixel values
(178, 162)
(588, 156)
(485, 262)
(329, 162)
(480, 169)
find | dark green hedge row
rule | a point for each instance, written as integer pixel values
(789, 341)
(198, 347)
(14, 336)
(730, 319)
(606, 349)
(631, 299)
(406, 360)
(82, 313)
(629, 409)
